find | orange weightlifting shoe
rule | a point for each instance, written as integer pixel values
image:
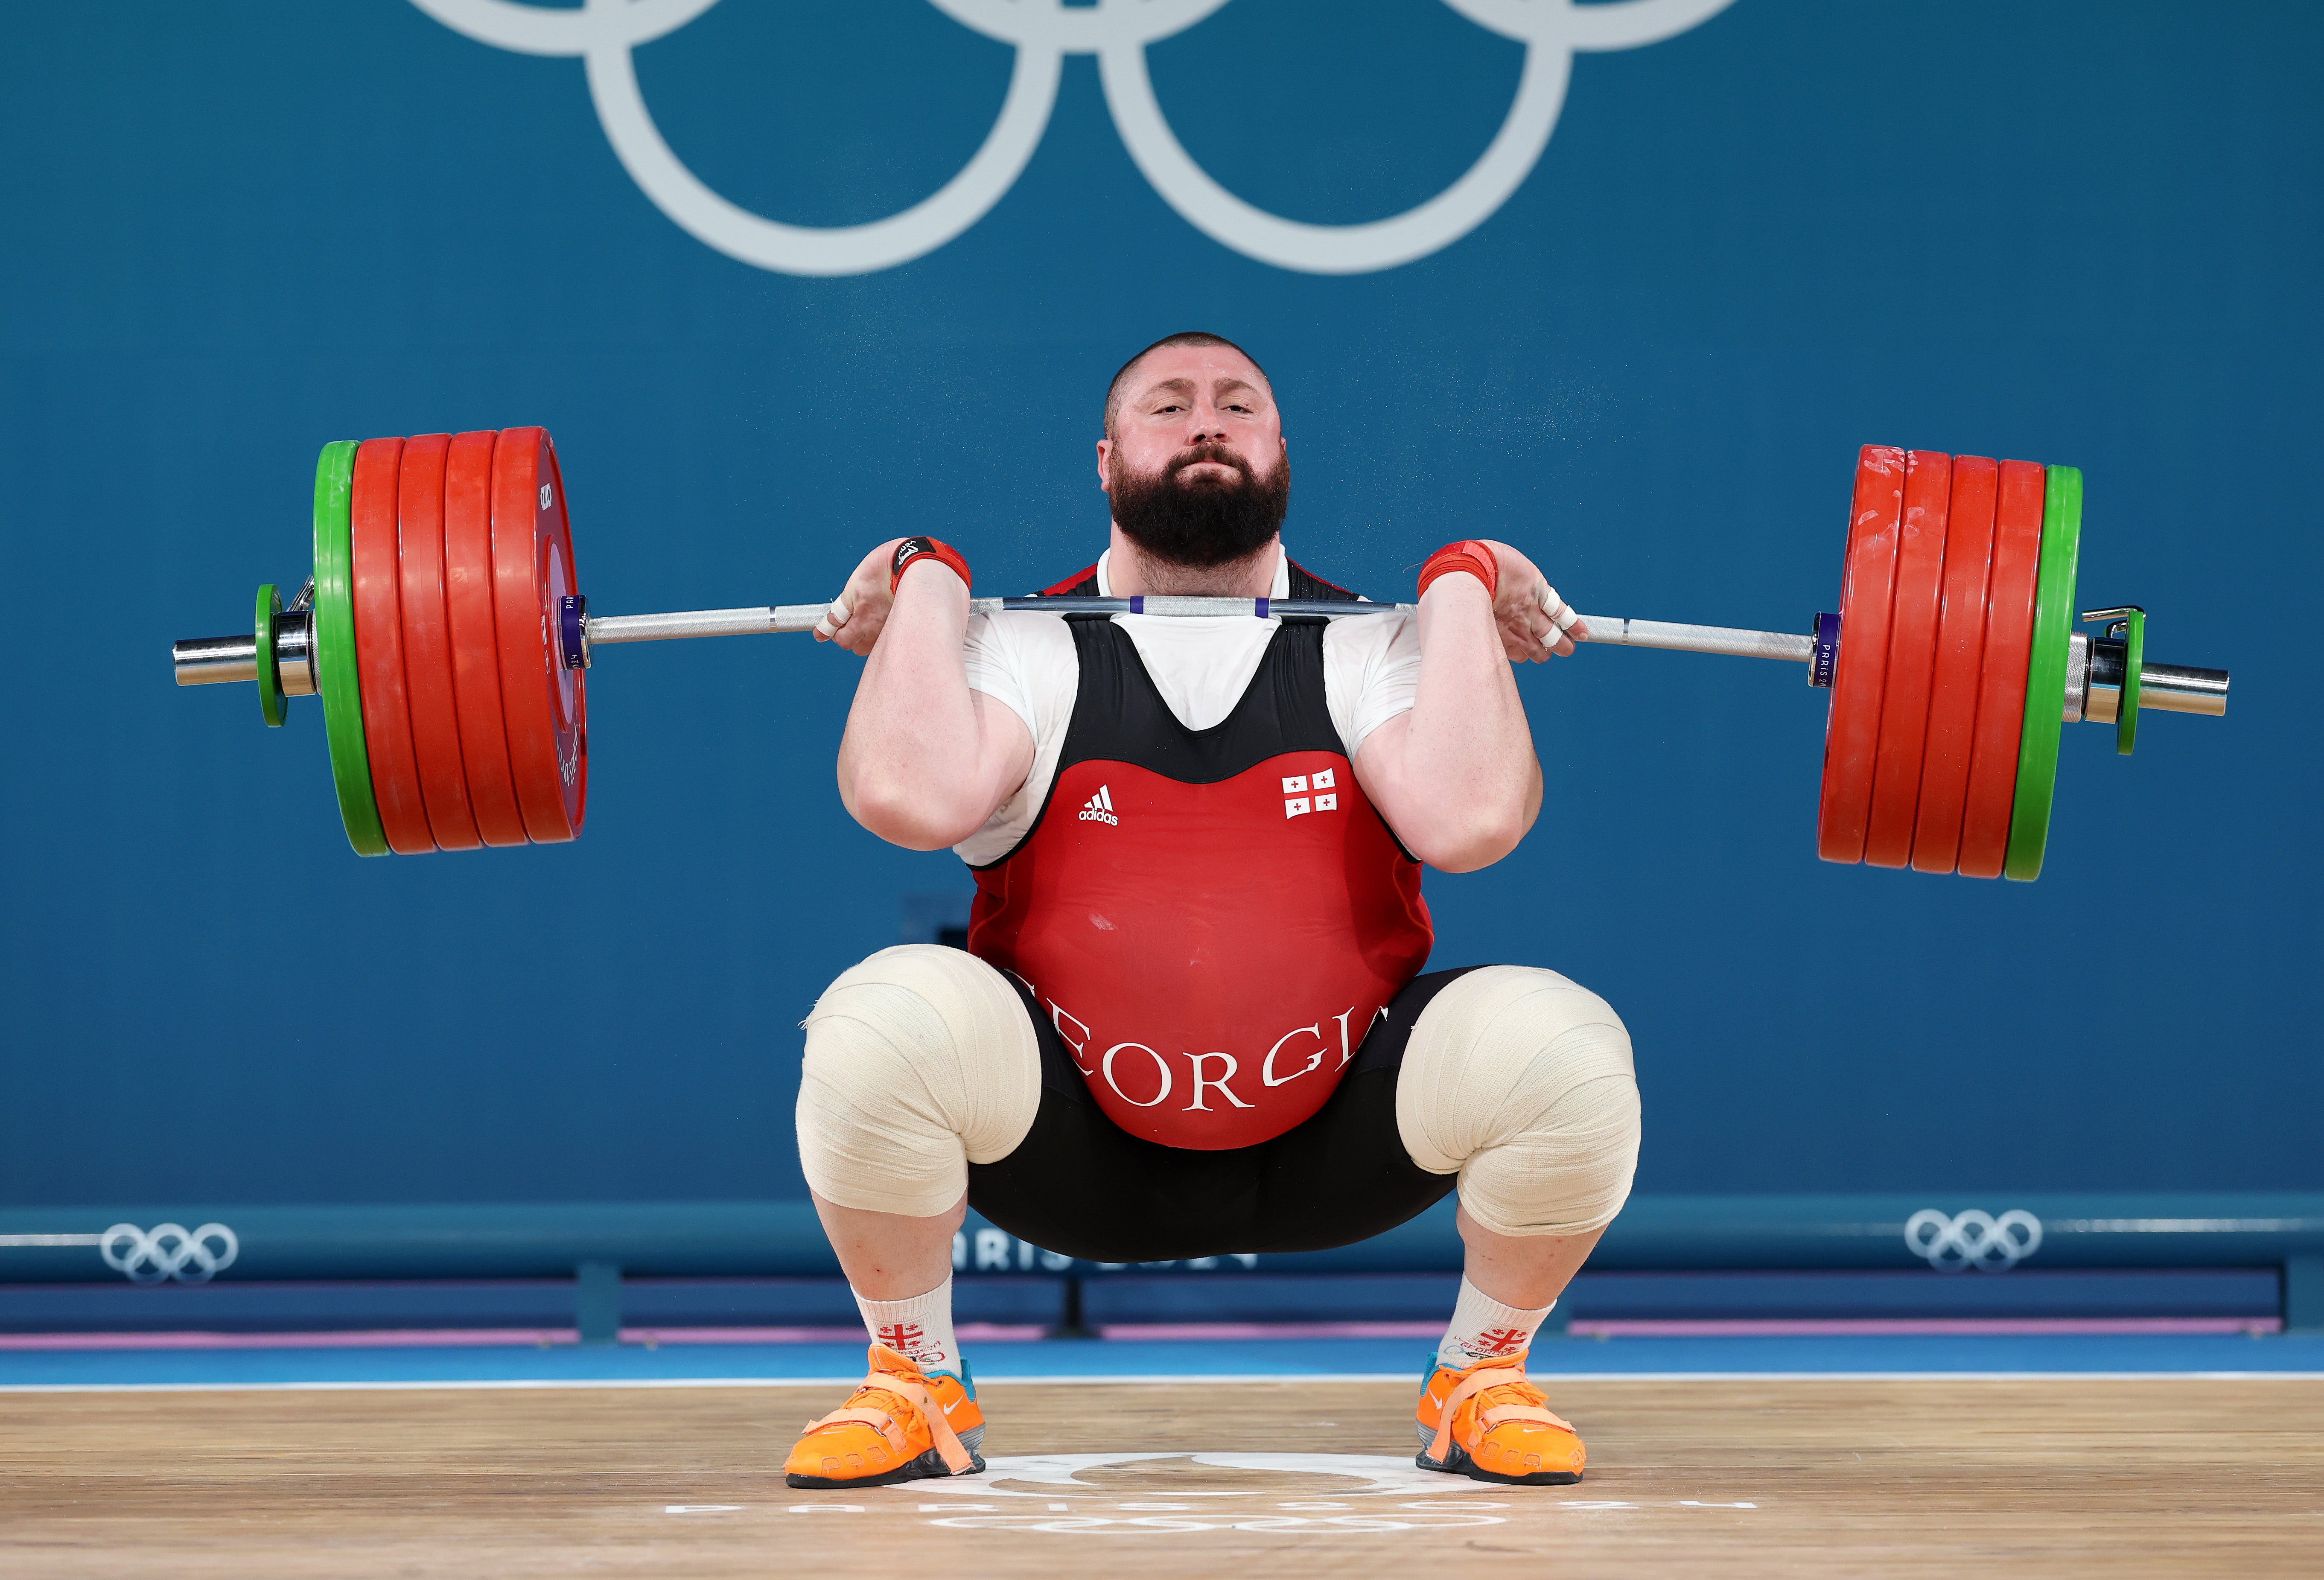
(900, 1426)
(1488, 1423)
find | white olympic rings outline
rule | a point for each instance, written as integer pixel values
(169, 1252)
(605, 33)
(1974, 1239)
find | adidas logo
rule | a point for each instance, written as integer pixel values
(1099, 807)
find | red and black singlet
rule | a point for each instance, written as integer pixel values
(1212, 918)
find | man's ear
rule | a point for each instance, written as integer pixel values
(1105, 451)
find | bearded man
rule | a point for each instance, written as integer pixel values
(1191, 1019)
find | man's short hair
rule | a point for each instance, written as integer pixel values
(1183, 337)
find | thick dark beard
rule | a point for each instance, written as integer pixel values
(1202, 522)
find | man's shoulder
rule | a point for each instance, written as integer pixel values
(1019, 638)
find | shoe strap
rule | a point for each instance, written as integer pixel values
(914, 1392)
(871, 1416)
(1494, 1406)
(1493, 1415)
(1478, 1379)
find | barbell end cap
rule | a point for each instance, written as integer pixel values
(209, 660)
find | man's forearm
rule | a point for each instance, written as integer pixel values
(908, 762)
(1467, 767)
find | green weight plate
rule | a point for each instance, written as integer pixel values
(2045, 675)
(335, 648)
(270, 682)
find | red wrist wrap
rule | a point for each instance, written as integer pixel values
(913, 550)
(1468, 555)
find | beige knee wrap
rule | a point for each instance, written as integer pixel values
(1521, 1082)
(919, 1062)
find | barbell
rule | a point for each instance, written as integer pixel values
(446, 636)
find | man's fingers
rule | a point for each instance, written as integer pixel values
(1557, 636)
(835, 614)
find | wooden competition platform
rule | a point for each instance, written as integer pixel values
(2037, 1475)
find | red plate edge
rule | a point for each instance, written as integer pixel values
(379, 648)
(428, 643)
(532, 571)
(1852, 729)
(2008, 648)
(1912, 658)
(1961, 658)
(475, 650)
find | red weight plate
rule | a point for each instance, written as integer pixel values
(1912, 658)
(1960, 656)
(475, 650)
(542, 704)
(428, 643)
(379, 648)
(1852, 733)
(2001, 686)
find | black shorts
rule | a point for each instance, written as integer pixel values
(1081, 1186)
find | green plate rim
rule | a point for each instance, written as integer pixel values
(271, 704)
(2134, 656)
(2045, 675)
(335, 647)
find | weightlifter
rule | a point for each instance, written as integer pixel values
(1191, 1019)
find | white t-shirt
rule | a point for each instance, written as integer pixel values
(1201, 667)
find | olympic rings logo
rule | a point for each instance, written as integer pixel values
(605, 33)
(1974, 1239)
(169, 1252)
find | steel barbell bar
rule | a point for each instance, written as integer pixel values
(209, 660)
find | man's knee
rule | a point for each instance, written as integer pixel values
(1521, 1081)
(919, 1061)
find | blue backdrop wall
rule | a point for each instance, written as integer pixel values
(2085, 233)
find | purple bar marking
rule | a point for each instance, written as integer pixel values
(1262, 608)
(572, 610)
(1826, 659)
(1138, 603)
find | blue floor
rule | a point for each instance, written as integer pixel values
(679, 1363)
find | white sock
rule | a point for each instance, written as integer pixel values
(919, 1328)
(1483, 1328)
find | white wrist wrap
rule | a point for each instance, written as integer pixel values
(1521, 1082)
(919, 1062)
